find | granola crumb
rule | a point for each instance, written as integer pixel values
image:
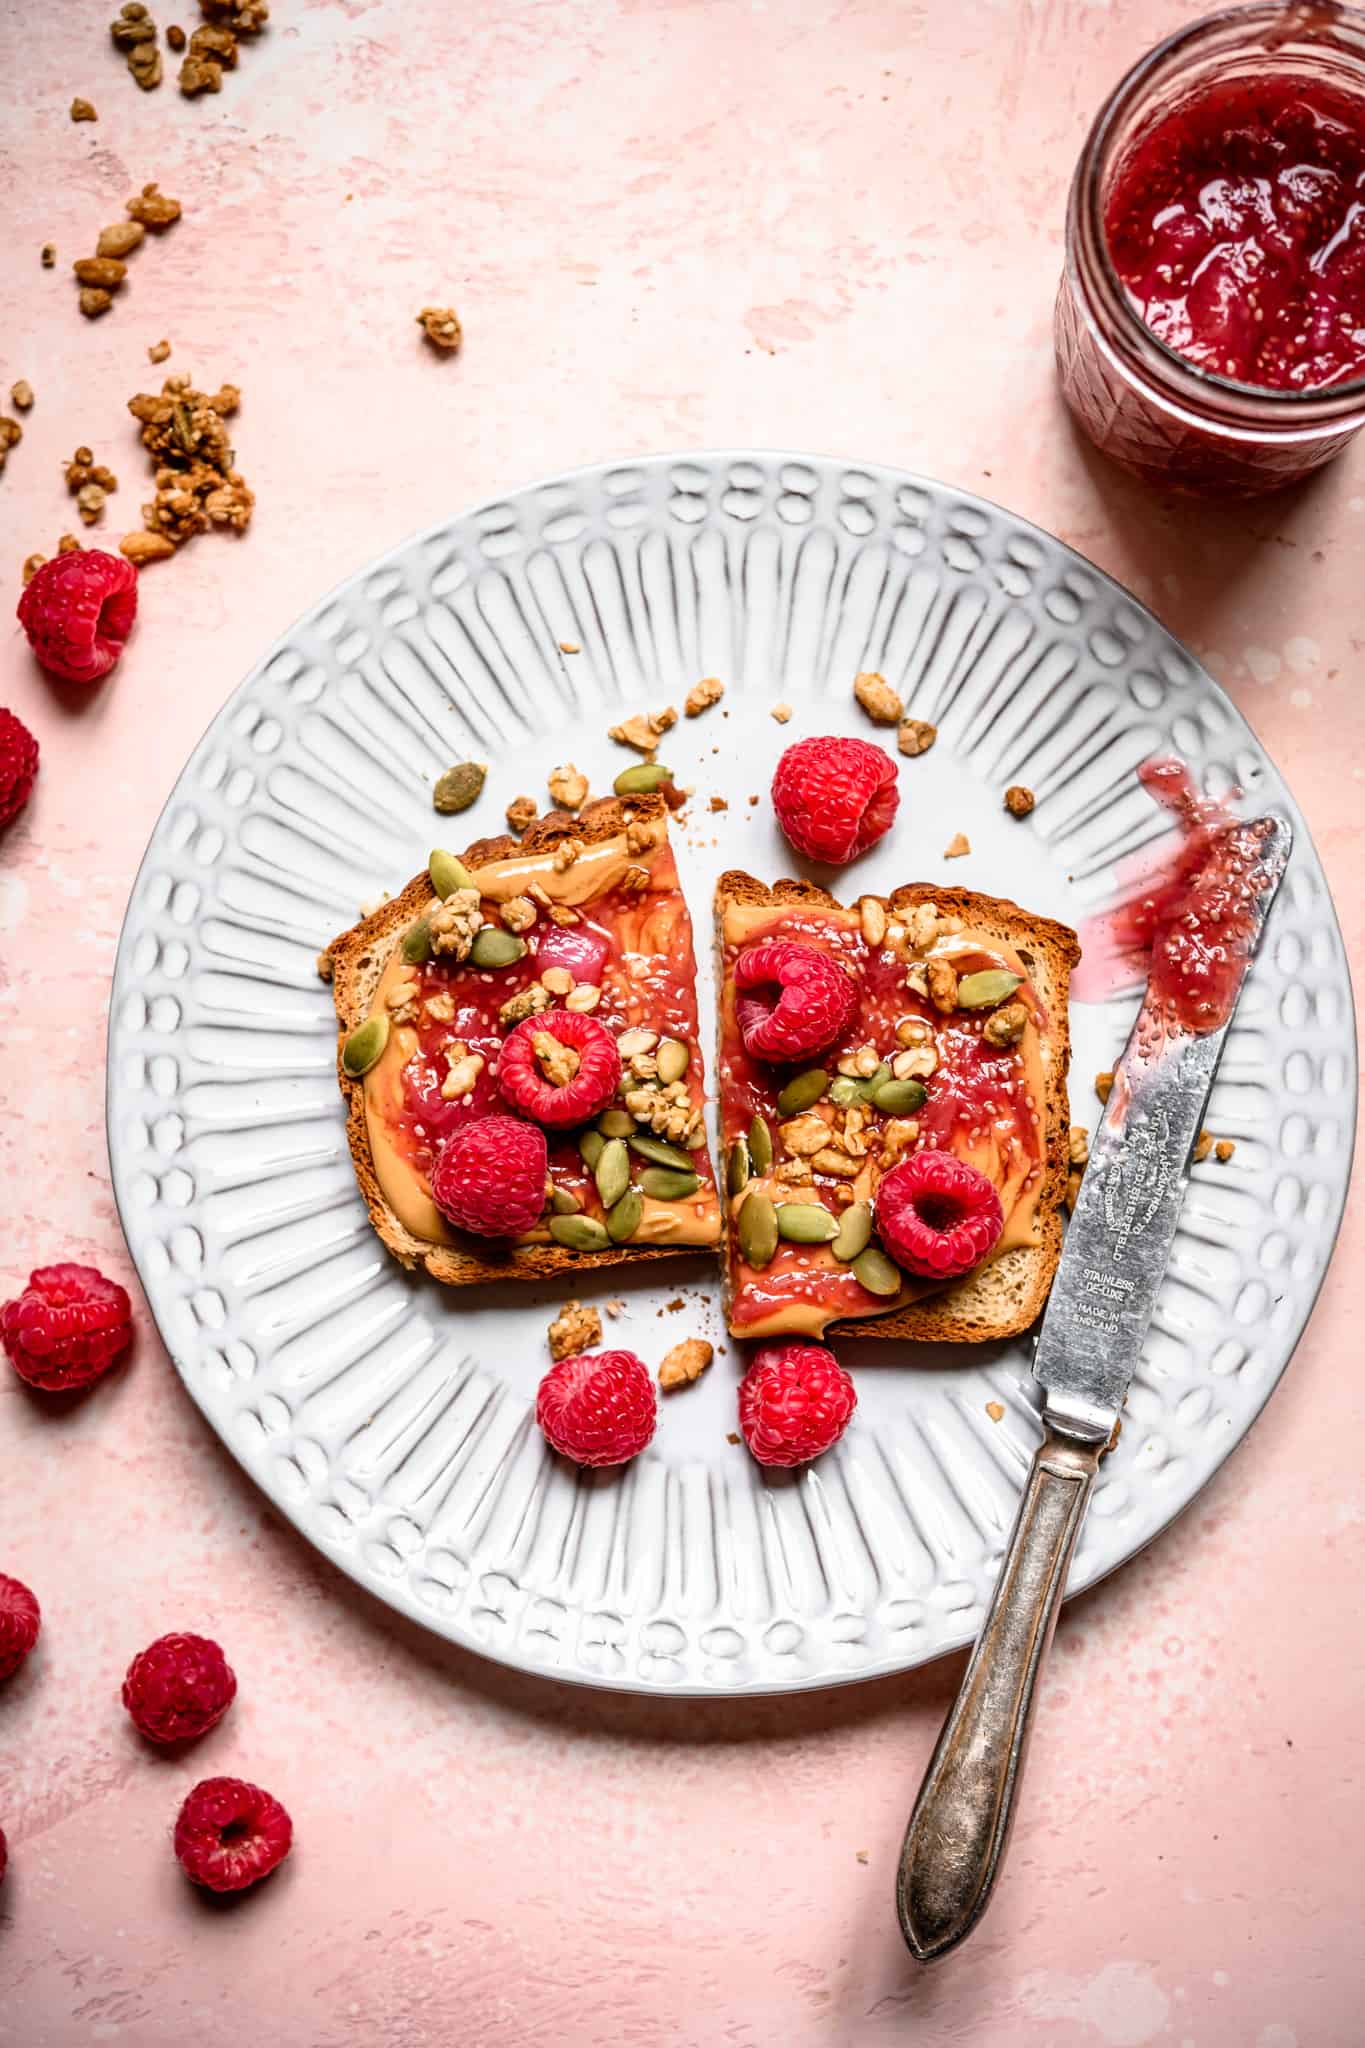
(643, 729)
(1223, 1150)
(47, 255)
(176, 37)
(685, 1362)
(754, 799)
(996, 1410)
(143, 547)
(69, 545)
(569, 647)
(1073, 1191)
(82, 110)
(568, 786)
(93, 301)
(90, 502)
(916, 736)
(782, 713)
(957, 846)
(574, 1329)
(1018, 800)
(877, 698)
(614, 1306)
(732, 1438)
(1203, 1145)
(158, 351)
(1078, 1145)
(153, 207)
(703, 695)
(324, 964)
(32, 564)
(860, 1855)
(1103, 1083)
(120, 238)
(441, 326)
(718, 803)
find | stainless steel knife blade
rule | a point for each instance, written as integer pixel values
(1119, 1238)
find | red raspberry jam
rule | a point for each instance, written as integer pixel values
(1237, 226)
(1185, 923)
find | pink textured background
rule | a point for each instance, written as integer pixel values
(664, 222)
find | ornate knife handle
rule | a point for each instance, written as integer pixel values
(955, 1842)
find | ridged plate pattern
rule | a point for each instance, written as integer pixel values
(391, 1420)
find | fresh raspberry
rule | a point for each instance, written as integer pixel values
(937, 1216)
(794, 1403)
(20, 1621)
(18, 765)
(593, 1085)
(834, 798)
(178, 1687)
(228, 1834)
(598, 1408)
(78, 611)
(791, 999)
(66, 1328)
(489, 1176)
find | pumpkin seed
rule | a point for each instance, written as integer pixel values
(664, 1185)
(896, 1097)
(447, 873)
(612, 1172)
(757, 1228)
(459, 786)
(564, 1202)
(590, 1148)
(417, 943)
(875, 1272)
(624, 1220)
(806, 1223)
(737, 1168)
(579, 1233)
(846, 1091)
(876, 1078)
(364, 1045)
(985, 990)
(616, 1123)
(803, 1091)
(493, 947)
(760, 1144)
(673, 1059)
(659, 1154)
(643, 779)
(853, 1234)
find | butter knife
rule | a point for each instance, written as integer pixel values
(1117, 1245)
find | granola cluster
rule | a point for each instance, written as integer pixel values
(134, 32)
(574, 1329)
(453, 923)
(661, 1101)
(197, 482)
(644, 729)
(89, 483)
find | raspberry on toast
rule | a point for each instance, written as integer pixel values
(580, 922)
(958, 1041)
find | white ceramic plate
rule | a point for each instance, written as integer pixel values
(392, 1420)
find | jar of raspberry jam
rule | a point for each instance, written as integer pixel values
(1210, 326)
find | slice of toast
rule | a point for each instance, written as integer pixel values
(1007, 1291)
(358, 961)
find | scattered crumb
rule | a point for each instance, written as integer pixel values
(753, 799)
(574, 1329)
(674, 1305)
(21, 393)
(324, 964)
(1203, 1145)
(732, 1438)
(685, 1362)
(1078, 1145)
(153, 207)
(32, 564)
(176, 37)
(569, 647)
(120, 239)
(781, 712)
(143, 547)
(916, 736)
(957, 846)
(877, 698)
(996, 1410)
(718, 803)
(134, 32)
(860, 1855)
(703, 695)
(1223, 1150)
(158, 352)
(614, 1306)
(90, 503)
(1115, 1433)
(643, 729)
(1018, 800)
(69, 545)
(81, 110)
(521, 812)
(441, 325)
(568, 786)
(1073, 1191)
(1103, 1083)
(48, 255)
(94, 300)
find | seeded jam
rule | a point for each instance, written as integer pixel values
(1236, 224)
(978, 1096)
(1186, 923)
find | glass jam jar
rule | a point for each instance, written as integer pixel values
(1210, 326)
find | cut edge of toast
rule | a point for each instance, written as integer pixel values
(354, 963)
(1007, 1294)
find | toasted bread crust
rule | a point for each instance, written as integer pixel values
(358, 958)
(1007, 1295)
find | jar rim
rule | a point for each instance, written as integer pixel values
(1296, 407)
